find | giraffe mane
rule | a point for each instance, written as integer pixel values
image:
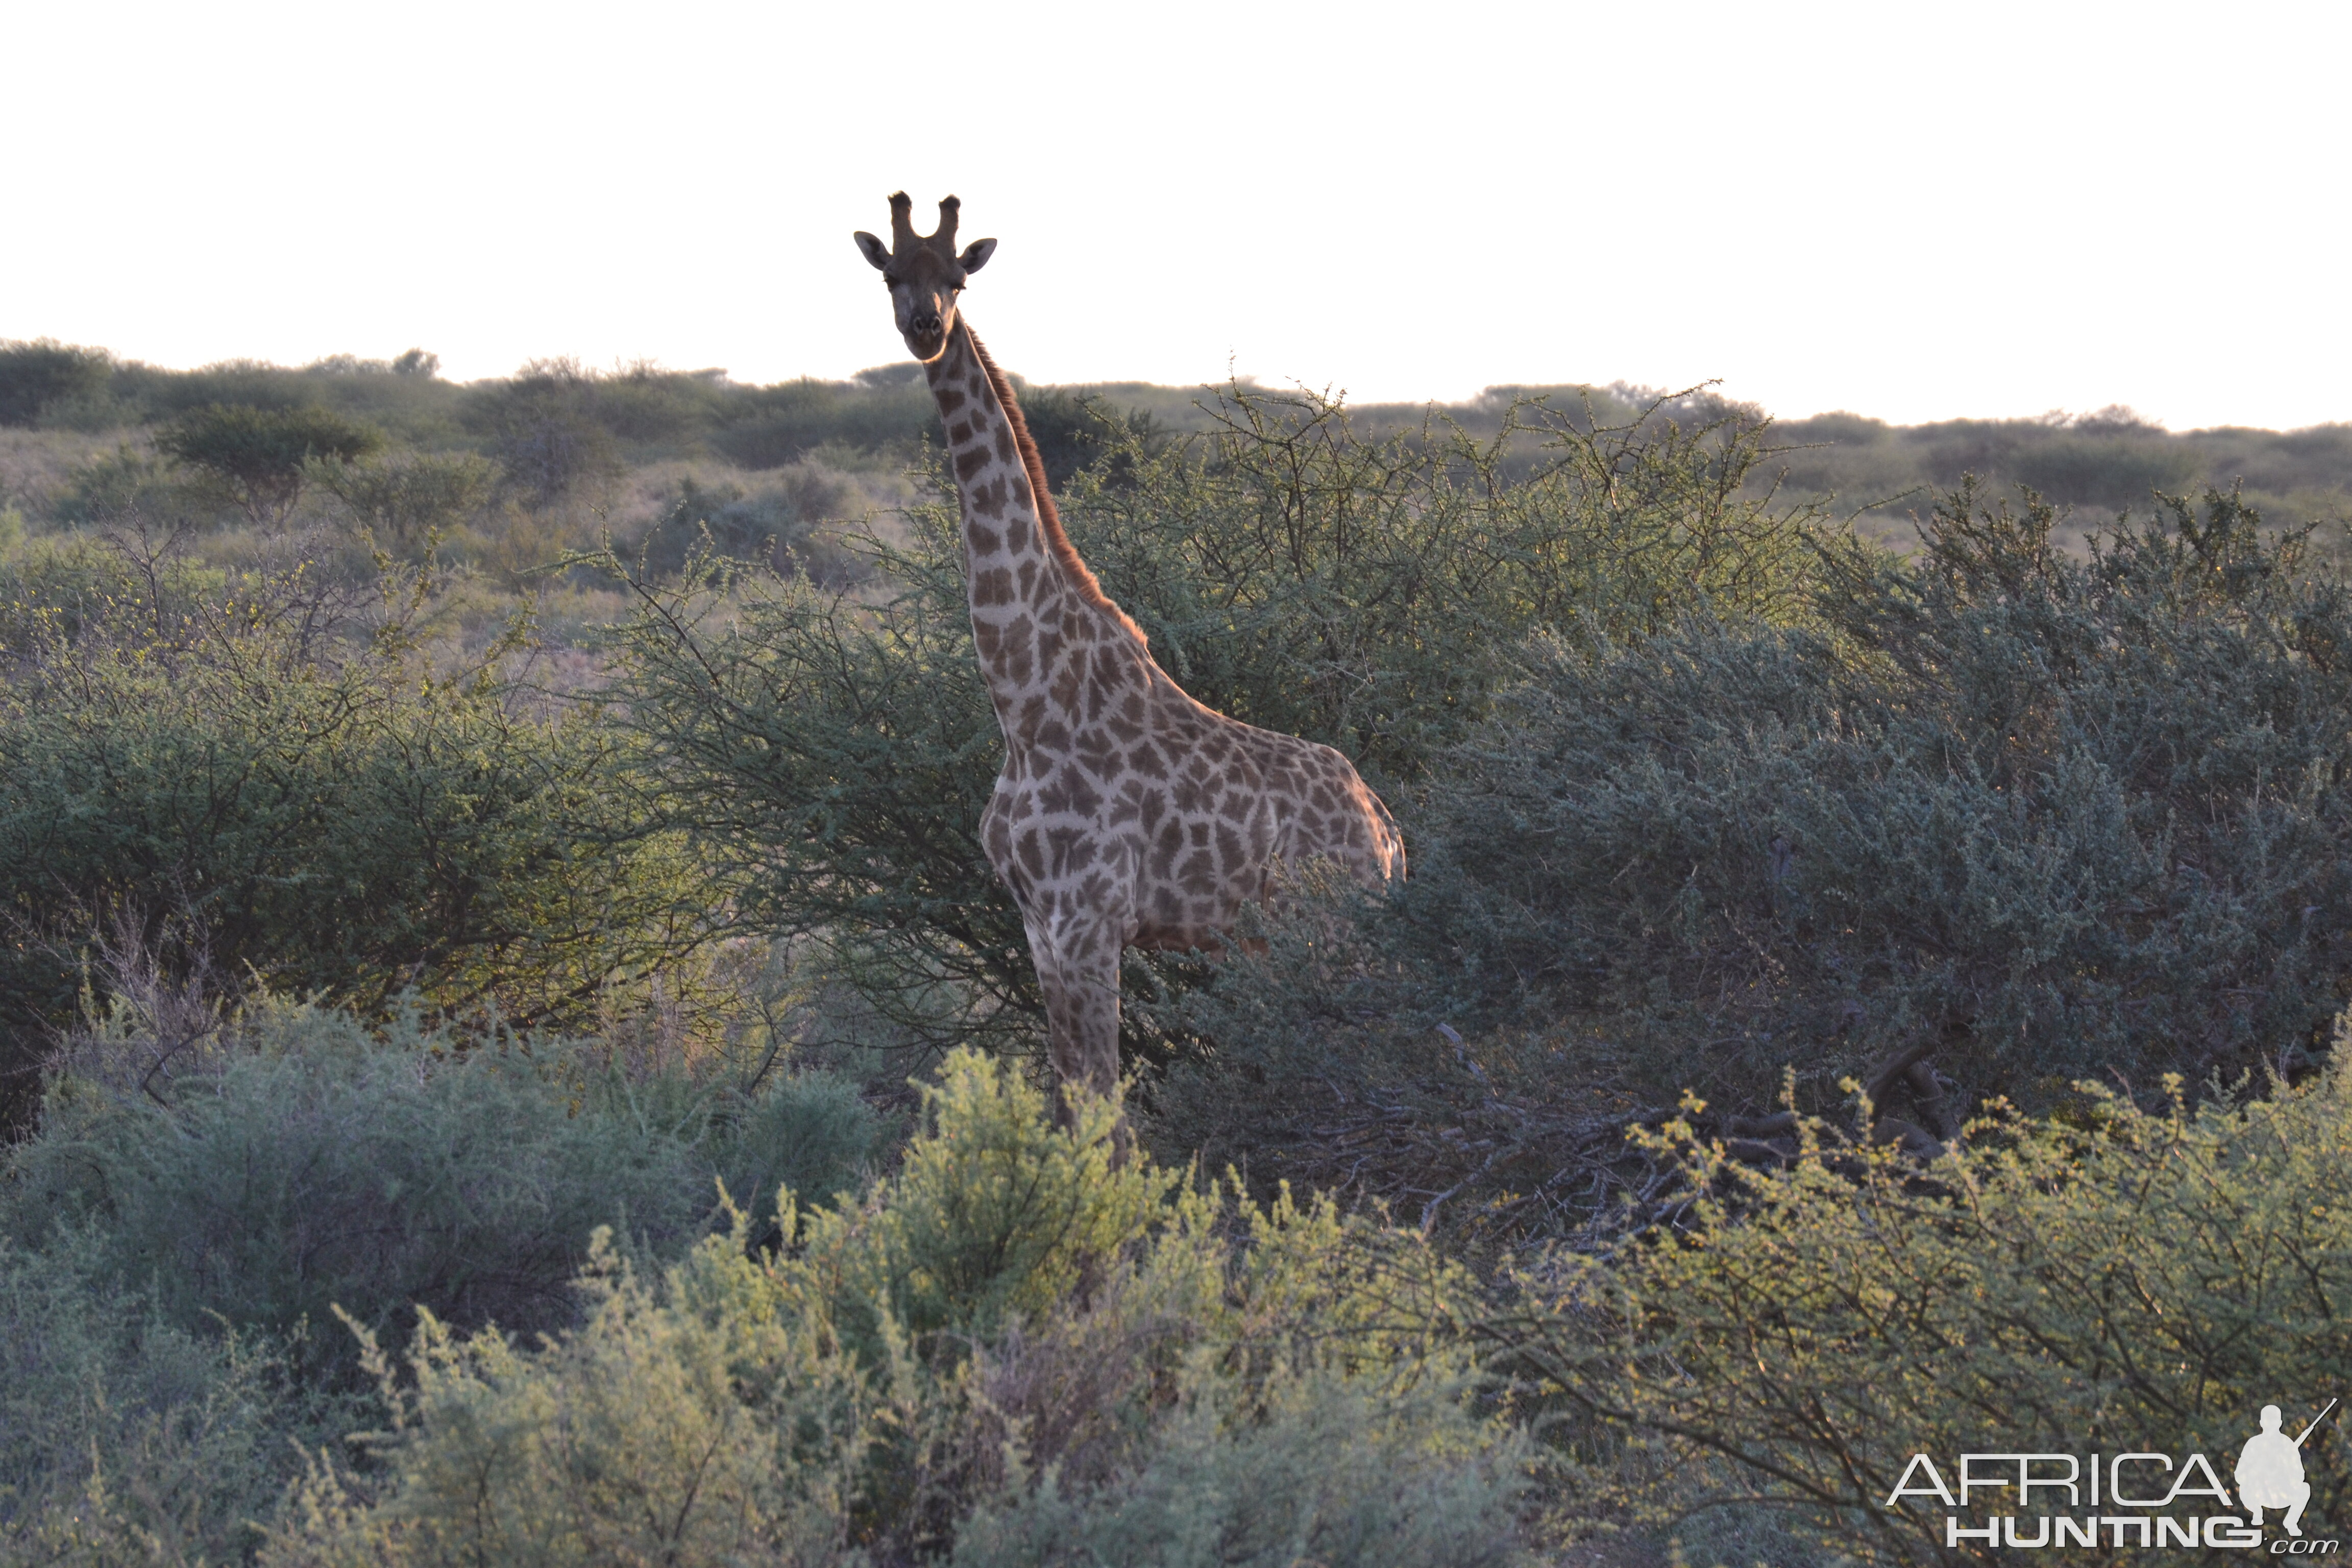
(1049, 519)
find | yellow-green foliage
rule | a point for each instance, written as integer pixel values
(2107, 1280)
(1007, 1332)
(994, 1216)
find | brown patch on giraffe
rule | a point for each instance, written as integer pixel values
(1049, 521)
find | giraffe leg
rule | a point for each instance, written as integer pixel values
(1077, 967)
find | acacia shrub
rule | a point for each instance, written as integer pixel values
(2041, 816)
(721, 1412)
(36, 376)
(254, 776)
(126, 487)
(260, 457)
(293, 1164)
(2111, 1278)
(886, 409)
(125, 1437)
(829, 757)
(789, 524)
(545, 432)
(403, 501)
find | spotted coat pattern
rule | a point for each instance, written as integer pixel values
(1127, 815)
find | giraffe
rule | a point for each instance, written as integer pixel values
(1127, 813)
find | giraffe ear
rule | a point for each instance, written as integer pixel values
(873, 249)
(975, 255)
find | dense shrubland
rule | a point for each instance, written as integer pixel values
(1995, 820)
(512, 1054)
(241, 778)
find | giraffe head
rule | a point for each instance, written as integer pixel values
(925, 274)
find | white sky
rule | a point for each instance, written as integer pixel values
(1911, 210)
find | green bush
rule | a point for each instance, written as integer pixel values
(261, 456)
(881, 411)
(2110, 1280)
(317, 1168)
(36, 375)
(403, 502)
(808, 1131)
(252, 777)
(126, 487)
(2038, 818)
(781, 527)
(126, 1439)
(294, 1163)
(721, 1414)
(1318, 1471)
(831, 757)
(2095, 467)
(991, 1219)
(545, 430)
(1372, 593)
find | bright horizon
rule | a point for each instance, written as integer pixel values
(1914, 215)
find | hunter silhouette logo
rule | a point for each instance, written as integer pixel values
(2269, 1471)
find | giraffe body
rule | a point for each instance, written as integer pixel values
(1127, 813)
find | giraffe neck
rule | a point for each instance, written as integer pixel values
(1030, 594)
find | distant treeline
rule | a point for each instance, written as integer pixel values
(629, 415)
(2102, 462)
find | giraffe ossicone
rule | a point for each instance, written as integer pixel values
(1127, 813)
